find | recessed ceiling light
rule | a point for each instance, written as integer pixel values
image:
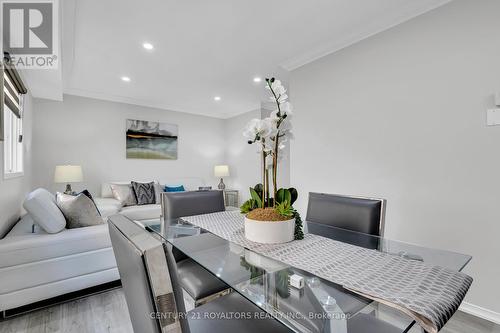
(257, 79)
(217, 98)
(148, 46)
(125, 79)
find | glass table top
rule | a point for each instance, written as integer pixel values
(320, 306)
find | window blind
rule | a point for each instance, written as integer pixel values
(13, 86)
(1, 101)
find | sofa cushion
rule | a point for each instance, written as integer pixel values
(144, 212)
(79, 210)
(21, 246)
(108, 206)
(25, 226)
(41, 205)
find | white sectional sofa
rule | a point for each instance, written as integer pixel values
(36, 265)
(108, 206)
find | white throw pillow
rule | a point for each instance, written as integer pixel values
(124, 193)
(41, 205)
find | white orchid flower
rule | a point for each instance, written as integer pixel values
(270, 126)
(282, 98)
(274, 116)
(286, 125)
(286, 108)
(278, 88)
(258, 129)
(251, 129)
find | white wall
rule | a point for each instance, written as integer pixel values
(401, 115)
(13, 191)
(242, 158)
(91, 133)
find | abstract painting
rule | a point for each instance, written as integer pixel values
(151, 140)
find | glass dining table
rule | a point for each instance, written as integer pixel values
(316, 305)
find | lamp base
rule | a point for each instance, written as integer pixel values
(222, 186)
(69, 190)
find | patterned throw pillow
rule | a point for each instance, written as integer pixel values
(144, 193)
(79, 210)
(124, 193)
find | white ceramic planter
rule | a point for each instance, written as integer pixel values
(269, 232)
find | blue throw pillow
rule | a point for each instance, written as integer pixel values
(174, 188)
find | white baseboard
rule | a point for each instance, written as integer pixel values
(480, 312)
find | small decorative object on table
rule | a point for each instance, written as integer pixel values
(221, 171)
(272, 219)
(68, 174)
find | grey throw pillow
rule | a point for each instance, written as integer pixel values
(79, 211)
(124, 193)
(144, 193)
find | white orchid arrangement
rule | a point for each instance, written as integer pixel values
(272, 134)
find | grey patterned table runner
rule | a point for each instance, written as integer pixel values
(429, 294)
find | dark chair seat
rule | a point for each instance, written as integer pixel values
(201, 319)
(363, 323)
(197, 281)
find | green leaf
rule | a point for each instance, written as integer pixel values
(256, 197)
(259, 188)
(294, 195)
(284, 209)
(284, 195)
(248, 206)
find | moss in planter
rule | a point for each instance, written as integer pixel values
(266, 214)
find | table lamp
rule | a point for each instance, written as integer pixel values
(68, 174)
(221, 171)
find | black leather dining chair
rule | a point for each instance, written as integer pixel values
(199, 283)
(362, 215)
(365, 216)
(154, 294)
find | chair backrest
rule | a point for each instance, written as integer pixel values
(359, 214)
(145, 277)
(178, 204)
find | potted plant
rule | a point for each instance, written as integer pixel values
(272, 218)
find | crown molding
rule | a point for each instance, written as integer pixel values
(326, 49)
(133, 101)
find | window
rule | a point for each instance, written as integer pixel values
(11, 113)
(13, 146)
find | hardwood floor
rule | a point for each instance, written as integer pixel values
(107, 312)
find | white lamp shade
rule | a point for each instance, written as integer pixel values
(68, 174)
(221, 171)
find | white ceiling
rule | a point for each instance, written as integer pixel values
(209, 48)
